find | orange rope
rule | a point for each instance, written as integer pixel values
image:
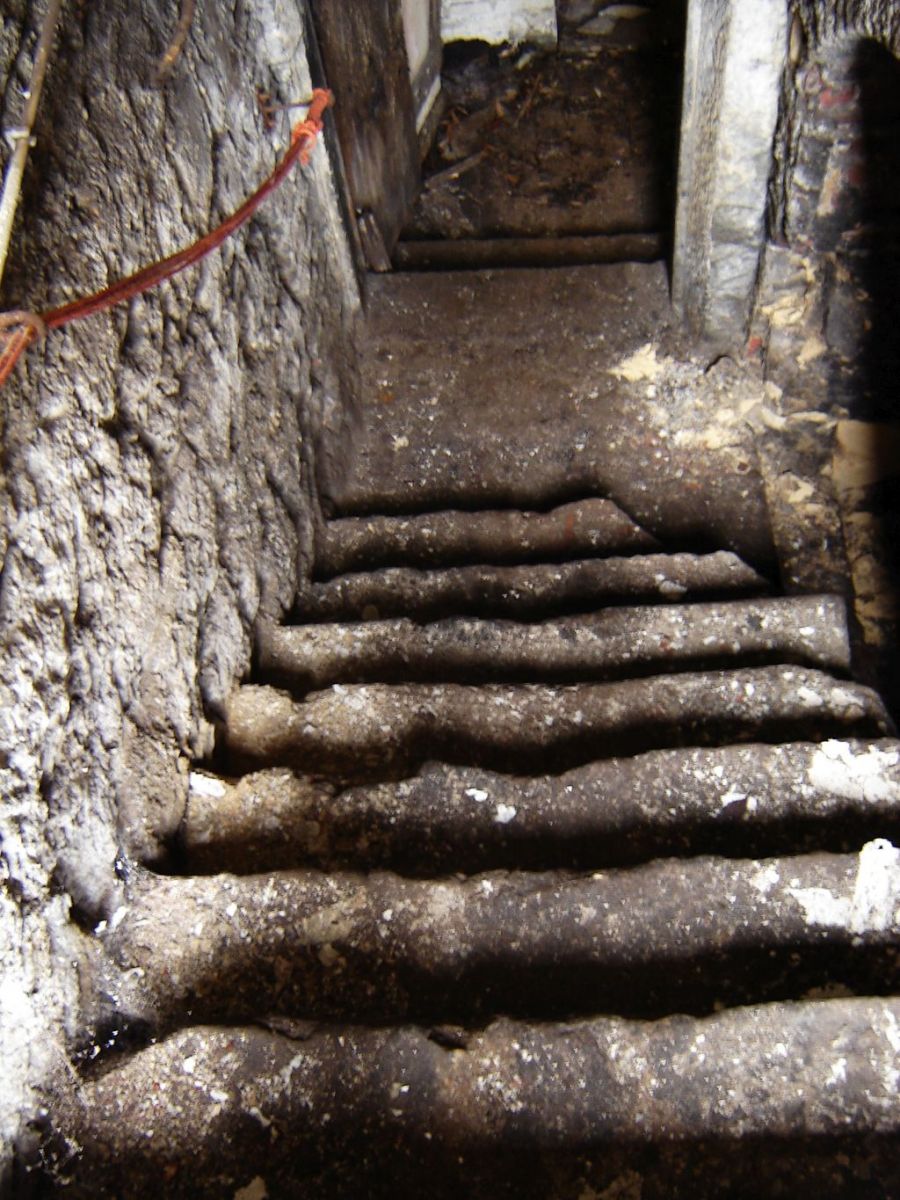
(24, 327)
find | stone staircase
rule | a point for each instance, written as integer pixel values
(550, 849)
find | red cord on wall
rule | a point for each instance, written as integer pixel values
(19, 329)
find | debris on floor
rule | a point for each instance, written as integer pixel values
(551, 145)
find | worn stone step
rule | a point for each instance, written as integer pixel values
(442, 539)
(614, 643)
(527, 592)
(356, 731)
(499, 389)
(737, 800)
(766, 1095)
(674, 935)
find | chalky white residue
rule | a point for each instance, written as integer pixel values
(286, 1073)
(477, 794)
(861, 777)
(504, 814)
(642, 364)
(838, 1072)
(206, 785)
(875, 904)
(765, 879)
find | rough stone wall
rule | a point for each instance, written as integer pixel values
(760, 101)
(824, 20)
(829, 276)
(155, 490)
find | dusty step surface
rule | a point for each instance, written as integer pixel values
(252, 1113)
(467, 254)
(355, 731)
(578, 530)
(809, 631)
(500, 388)
(680, 935)
(326, 1111)
(833, 795)
(527, 592)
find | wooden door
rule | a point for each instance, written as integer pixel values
(363, 54)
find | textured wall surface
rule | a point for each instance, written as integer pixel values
(827, 19)
(154, 494)
(734, 57)
(743, 63)
(826, 305)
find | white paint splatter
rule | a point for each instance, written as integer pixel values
(876, 896)
(865, 778)
(822, 907)
(874, 906)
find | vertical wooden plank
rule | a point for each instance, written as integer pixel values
(422, 27)
(364, 55)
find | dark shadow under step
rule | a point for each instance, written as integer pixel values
(360, 731)
(736, 800)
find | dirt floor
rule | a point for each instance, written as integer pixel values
(580, 142)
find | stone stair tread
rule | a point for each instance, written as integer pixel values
(673, 935)
(466, 373)
(513, 1109)
(357, 731)
(488, 891)
(731, 799)
(619, 642)
(527, 591)
(580, 529)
